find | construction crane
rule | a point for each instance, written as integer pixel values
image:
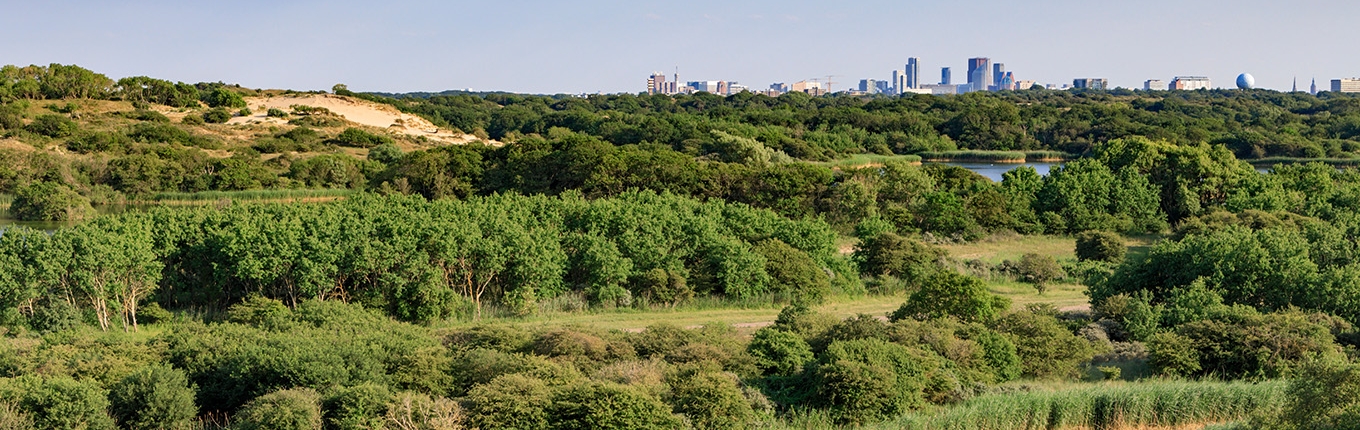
(829, 82)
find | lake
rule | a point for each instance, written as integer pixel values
(994, 171)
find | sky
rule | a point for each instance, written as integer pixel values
(590, 46)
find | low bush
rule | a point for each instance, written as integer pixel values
(157, 397)
(53, 125)
(217, 116)
(951, 295)
(358, 138)
(1100, 246)
(292, 409)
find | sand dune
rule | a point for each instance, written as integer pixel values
(354, 110)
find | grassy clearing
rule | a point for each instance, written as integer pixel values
(1010, 246)
(1115, 405)
(867, 160)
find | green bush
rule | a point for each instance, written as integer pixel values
(1322, 395)
(146, 115)
(386, 153)
(510, 401)
(221, 97)
(50, 201)
(276, 113)
(1046, 348)
(795, 274)
(1242, 342)
(951, 295)
(870, 379)
(362, 406)
(217, 116)
(1172, 354)
(779, 352)
(11, 117)
(888, 254)
(260, 312)
(711, 400)
(1100, 246)
(99, 141)
(192, 120)
(358, 138)
(1038, 269)
(292, 409)
(156, 397)
(603, 406)
(53, 125)
(59, 402)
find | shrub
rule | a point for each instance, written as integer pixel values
(1172, 354)
(663, 286)
(50, 201)
(1323, 395)
(192, 120)
(146, 115)
(1242, 342)
(603, 406)
(276, 113)
(949, 294)
(503, 338)
(386, 153)
(803, 321)
(712, 400)
(359, 138)
(261, 312)
(59, 402)
(795, 274)
(11, 117)
(217, 116)
(293, 409)
(1046, 348)
(363, 406)
(661, 339)
(415, 411)
(99, 141)
(53, 125)
(509, 401)
(151, 313)
(1100, 246)
(888, 254)
(1038, 269)
(156, 397)
(221, 97)
(870, 379)
(778, 352)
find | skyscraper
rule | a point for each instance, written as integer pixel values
(913, 73)
(1313, 89)
(945, 79)
(656, 84)
(979, 73)
(998, 73)
(899, 82)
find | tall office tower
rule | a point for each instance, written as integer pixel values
(913, 73)
(899, 81)
(1190, 83)
(998, 73)
(722, 88)
(882, 87)
(1091, 83)
(945, 78)
(1313, 88)
(1154, 85)
(866, 84)
(656, 84)
(1006, 81)
(979, 73)
(1346, 85)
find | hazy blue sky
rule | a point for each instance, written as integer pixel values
(611, 46)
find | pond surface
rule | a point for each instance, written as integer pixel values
(994, 171)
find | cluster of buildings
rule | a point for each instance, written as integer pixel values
(983, 75)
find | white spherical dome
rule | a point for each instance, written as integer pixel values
(1245, 81)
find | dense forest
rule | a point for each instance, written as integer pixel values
(425, 297)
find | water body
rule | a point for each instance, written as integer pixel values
(994, 171)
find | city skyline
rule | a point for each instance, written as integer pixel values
(536, 46)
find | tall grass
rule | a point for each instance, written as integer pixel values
(1337, 162)
(6, 200)
(209, 196)
(1048, 155)
(1107, 406)
(865, 160)
(974, 155)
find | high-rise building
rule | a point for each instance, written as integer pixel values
(998, 73)
(945, 78)
(867, 85)
(1190, 83)
(1025, 85)
(882, 87)
(979, 73)
(1091, 83)
(1006, 81)
(705, 86)
(913, 73)
(1154, 85)
(899, 82)
(656, 84)
(1312, 89)
(1346, 85)
(941, 89)
(722, 88)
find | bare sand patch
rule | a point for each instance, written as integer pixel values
(358, 111)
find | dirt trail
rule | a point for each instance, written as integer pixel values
(358, 111)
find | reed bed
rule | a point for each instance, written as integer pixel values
(1108, 406)
(1048, 156)
(1337, 162)
(868, 160)
(976, 156)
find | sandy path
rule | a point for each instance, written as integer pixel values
(354, 110)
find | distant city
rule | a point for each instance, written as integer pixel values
(983, 75)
